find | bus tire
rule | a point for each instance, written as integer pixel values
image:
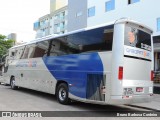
(62, 94)
(13, 86)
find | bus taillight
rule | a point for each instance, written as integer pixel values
(120, 73)
(152, 75)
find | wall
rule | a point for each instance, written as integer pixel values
(145, 11)
(77, 14)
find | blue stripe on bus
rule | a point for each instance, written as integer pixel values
(74, 69)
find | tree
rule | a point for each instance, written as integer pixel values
(5, 44)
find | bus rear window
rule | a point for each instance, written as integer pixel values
(137, 38)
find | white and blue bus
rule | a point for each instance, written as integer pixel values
(107, 64)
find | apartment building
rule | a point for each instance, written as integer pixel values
(42, 26)
(77, 14)
(58, 21)
(55, 22)
(103, 11)
(57, 4)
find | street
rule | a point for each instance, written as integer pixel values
(29, 100)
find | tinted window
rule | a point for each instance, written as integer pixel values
(20, 51)
(41, 49)
(60, 46)
(88, 41)
(137, 38)
(25, 52)
(35, 50)
(99, 39)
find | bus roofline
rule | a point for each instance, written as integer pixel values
(124, 20)
(118, 21)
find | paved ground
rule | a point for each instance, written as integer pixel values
(155, 104)
(29, 100)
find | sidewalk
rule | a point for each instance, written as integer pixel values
(155, 104)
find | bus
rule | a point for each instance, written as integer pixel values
(105, 64)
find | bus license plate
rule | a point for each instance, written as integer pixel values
(139, 89)
(128, 91)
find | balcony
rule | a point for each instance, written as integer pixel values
(44, 25)
(56, 30)
(60, 19)
(63, 28)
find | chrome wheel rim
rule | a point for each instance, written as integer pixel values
(62, 94)
(13, 83)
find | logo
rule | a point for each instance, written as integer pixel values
(6, 114)
(29, 63)
(131, 37)
(138, 52)
(21, 114)
(144, 53)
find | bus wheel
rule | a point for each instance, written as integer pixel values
(62, 94)
(13, 86)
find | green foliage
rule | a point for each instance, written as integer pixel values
(5, 44)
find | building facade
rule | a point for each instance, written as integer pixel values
(55, 22)
(57, 4)
(77, 14)
(58, 21)
(99, 12)
(13, 36)
(140, 10)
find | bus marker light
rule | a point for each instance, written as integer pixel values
(120, 73)
(152, 75)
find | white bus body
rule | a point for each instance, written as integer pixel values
(108, 64)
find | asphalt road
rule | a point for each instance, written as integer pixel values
(29, 100)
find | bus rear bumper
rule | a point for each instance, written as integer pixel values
(130, 100)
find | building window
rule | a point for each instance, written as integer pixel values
(63, 13)
(91, 12)
(133, 1)
(78, 14)
(158, 24)
(110, 5)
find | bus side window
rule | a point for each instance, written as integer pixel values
(95, 40)
(25, 53)
(54, 48)
(31, 50)
(38, 49)
(39, 52)
(19, 52)
(12, 54)
(62, 46)
(108, 40)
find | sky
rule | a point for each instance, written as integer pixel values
(18, 16)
